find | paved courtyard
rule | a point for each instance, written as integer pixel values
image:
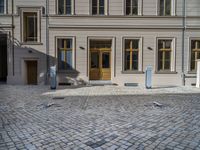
(99, 117)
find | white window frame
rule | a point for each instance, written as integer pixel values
(140, 6)
(173, 55)
(73, 52)
(173, 8)
(190, 53)
(38, 11)
(5, 8)
(72, 8)
(106, 6)
(140, 57)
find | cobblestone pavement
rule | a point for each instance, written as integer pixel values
(87, 118)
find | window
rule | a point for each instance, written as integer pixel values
(131, 55)
(64, 7)
(30, 20)
(131, 7)
(195, 54)
(164, 55)
(2, 6)
(166, 7)
(98, 7)
(65, 54)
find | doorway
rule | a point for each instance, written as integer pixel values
(100, 59)
(31, 72)
(3, 58)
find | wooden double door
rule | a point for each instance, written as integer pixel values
(100, 64)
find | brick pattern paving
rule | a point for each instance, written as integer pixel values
(32, 117)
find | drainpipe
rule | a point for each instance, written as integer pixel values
(47, 41)
(13, 57)
(183, 42)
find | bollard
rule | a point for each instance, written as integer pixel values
(148, 77)
(53, 81)
(198, 74)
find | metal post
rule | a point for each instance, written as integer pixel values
(148, 77)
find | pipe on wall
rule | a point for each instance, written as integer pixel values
(13, 32)
(183, 42)
(47, 41)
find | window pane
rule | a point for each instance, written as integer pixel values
(127, 44)
(198, 44)
(60, 6)
(167, 7)
(101, 3)
(94, 3)
(1, 6)
(68, 10)
(65, 54)
(30, 27)
(128, 7)
(135, 44)
(68, 7)
(135, 3)
(94, 10)
(94, 60)
(69, 59)
(135, 7)
(167, 60)
(94, 7)
(168, 44)
(160, 44)
(128, 3)
(101, 10)
(135, 10)
(162, 5)
(128, 10)
(127, 60)
(106, 60)
(160, 60)
(193, 45)
(193, 61)
(69, 43)
(135, 60)
(68, 2)
(61, 58)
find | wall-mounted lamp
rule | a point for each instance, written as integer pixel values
(81, 47)
(149, 48)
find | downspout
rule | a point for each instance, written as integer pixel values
(47, 41)
(183, 42)
(13, 46)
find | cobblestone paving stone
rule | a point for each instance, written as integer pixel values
(100, 118)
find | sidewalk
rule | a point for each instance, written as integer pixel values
(119, 90)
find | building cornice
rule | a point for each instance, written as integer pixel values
(114, 27)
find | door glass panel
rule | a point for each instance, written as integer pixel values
(94, 60)
(106, 60)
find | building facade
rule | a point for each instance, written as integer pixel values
(99, 40)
